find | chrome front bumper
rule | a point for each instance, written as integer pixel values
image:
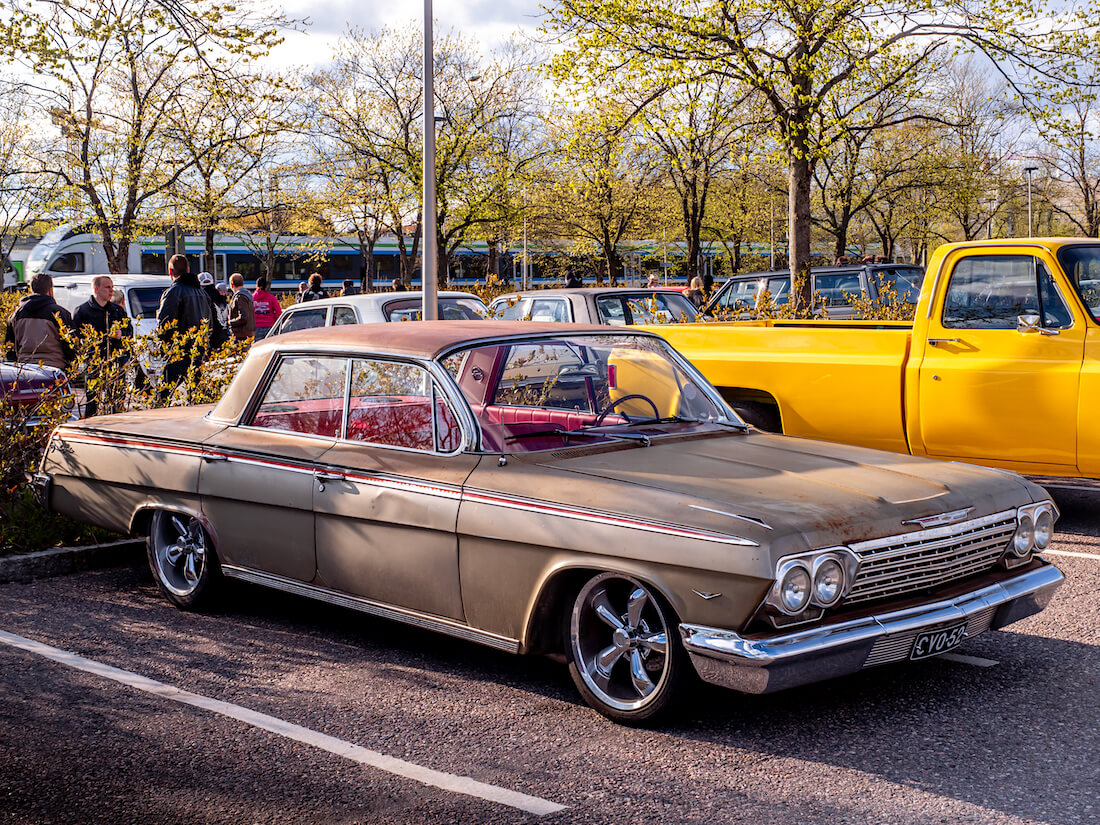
(724, 658)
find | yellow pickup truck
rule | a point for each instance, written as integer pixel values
(1000, 366)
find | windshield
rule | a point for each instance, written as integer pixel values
(904, 281)
(40, 254)
(549, 393)
(1082, 266)
(645, 308)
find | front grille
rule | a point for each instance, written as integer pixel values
(913, 562)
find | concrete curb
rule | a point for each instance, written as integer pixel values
(57, 561)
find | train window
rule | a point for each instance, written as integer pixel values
(68, 262)
(153, 263)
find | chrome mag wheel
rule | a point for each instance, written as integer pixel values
(181, 558)
(623, 655)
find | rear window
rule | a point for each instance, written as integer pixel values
(449, 309)
(303, 319)
(145, 300)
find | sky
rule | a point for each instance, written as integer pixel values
(490, 22)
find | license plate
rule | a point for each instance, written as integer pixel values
(935, 642)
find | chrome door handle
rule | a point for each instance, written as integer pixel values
(324, 478)
(214, 457)
(935, 341)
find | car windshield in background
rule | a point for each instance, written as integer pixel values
(903, 281)
(546, 393)
(450, 309)
(646, 308)
(145, 301)
(1082, 266)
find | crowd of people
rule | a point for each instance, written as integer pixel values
(34, 331)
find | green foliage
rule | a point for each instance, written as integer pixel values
(105, 367)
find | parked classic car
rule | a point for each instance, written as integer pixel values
(560, 488)
(616, 306)
(376, 307)
(26, 388)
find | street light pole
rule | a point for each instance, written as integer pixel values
(1030, 225)
(525, 270)
(429, 305)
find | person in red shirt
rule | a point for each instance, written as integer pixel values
(266, 306)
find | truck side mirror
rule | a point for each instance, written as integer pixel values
(1029, 324)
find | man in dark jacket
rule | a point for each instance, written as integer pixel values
(183, 307)
(107, 319)
(33, 335)
(316, 289)
(101, 314)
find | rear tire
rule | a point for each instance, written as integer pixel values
(182, 558)
(623, 648)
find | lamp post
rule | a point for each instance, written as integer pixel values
(429, 304)
(525, 271)
(1029, 170)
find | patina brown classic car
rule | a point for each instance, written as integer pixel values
(559, 488)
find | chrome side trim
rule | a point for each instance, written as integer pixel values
(764, 665)
(1089, 485)
(384, 611)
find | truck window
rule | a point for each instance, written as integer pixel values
(1082, 266)
(905, 282)
(838, 290)
(992, 291)
(738, 295)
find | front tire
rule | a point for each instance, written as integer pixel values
(182, 559)
(623, 649)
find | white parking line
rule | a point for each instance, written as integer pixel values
(1092, 556)
(969, 660)
(427, 776)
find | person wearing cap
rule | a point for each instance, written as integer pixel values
(219, 331)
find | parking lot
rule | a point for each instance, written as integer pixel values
(275, 709)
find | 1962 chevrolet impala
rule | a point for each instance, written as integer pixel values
(543, 487)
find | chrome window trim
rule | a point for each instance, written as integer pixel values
(463, 415)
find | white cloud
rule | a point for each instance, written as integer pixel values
(489, 22)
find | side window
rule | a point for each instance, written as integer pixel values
(549, 310)
(992, 291)
(610, 309)
(306, 395)
(779, 289)
(507, 310)
(838, 290)
(304, 319)
(399, 405)
(739, 295)
(905, 283)
(343, 315)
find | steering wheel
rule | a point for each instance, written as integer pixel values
(610, 408)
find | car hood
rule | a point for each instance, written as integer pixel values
(766, 487)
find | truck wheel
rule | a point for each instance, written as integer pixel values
(760, 415)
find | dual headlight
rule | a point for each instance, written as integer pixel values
(818, 579)
(1034, 530)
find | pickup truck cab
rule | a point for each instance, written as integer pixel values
(1000, 366)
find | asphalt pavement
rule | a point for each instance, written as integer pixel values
(120, 709)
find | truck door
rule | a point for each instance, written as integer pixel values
(999, 377)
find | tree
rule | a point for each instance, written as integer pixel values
(108, 73)
(697, 126)
(1070, 129)
(23, 193)
(228, 132)
(597, 182)
(817, 63)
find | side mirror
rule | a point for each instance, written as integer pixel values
(1027, 324)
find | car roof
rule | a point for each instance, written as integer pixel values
(417, 339)
(375, 299)
(588, 290)
(422, 339)
(119, 280)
